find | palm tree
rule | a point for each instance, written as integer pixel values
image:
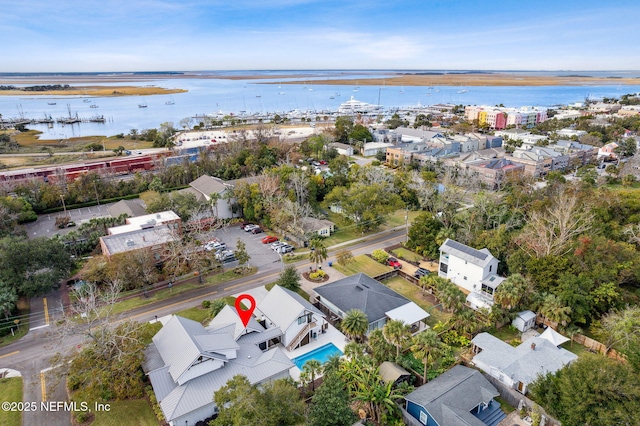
(353, 350)
(510, 293)
(318, 251)
(555, 310)
(451, 297)
(426, 347)
(214, 197)
(355, 324)
(397, 333)
(312, 368)
(465, 321)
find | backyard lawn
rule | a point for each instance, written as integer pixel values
(11, 391)
(414, 293)
(364, 264)
(408, 255)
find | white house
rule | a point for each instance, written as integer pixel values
(300, 321)
(475, 271)
(518, 367)
(187, 363)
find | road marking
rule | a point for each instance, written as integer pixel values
(9, 354)
(46, 311)
(43, 386)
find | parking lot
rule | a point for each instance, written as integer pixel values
(261, 254)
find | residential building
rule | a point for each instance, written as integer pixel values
(474, 271)
(300, 321)
(376, 300)
(372, 148)
(187, 364)
(493, 173)
(204, 189)
(608, 152)
(524, 321)
(409, 134)
(342, 148)
(131, 208)
(579, 154)
(519, 366)
(629, 110)
(569, 133)
(460, 396)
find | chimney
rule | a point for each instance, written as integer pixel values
(533, 346)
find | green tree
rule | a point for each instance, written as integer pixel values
(317, 251)
(423, 233)
(360, 133)
(511, 293)
(216, 306)
(593, 390)
(426, 346)
(330, 405)
(241, 253)
(621, 330)
(342, 128)
(33, 266)
(344, 257)
(312, 369)
(355, 324)
(555, 310)
(289, 278)
(397, 333)
(273, 404)
(380, 349)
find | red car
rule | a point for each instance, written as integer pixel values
(269, 239)
(394, 263)
(324, 163)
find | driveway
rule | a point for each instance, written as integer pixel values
(45, 226)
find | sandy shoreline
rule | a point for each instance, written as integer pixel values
(472, 79)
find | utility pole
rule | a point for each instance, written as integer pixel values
(63, 206)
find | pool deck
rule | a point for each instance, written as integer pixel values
(331, 336)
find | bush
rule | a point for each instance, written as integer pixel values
(206, 304)
(319, 274)
(380, 256)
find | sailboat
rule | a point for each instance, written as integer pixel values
(170, 101)
(143, 104)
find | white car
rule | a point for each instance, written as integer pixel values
(250, 228)
(284, 249)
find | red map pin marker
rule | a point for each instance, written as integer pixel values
(245, 315)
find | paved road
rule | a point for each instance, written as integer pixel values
(33, 354)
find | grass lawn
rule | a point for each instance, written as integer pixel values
(11, 391)
(364, 264)
(506, 407)
(414, 293)
(23, 312)
(506, 333)
(405, 254)
(197, 313)
(134, 302)
(575, 348)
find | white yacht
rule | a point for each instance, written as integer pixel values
(353, 106)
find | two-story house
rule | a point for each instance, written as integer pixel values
(474, 271)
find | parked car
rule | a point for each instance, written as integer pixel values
(256, 230)
(323, 162)
(249, 228)
(269, 239)
(394, 263)
(421, 272)
(243, 224)
(277, 244)
(285, 249)
(226, 256)
(215, 245)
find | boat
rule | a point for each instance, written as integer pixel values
(170, 102)
(142, 105)
(354, 106)
(51, 103)
(93, 106)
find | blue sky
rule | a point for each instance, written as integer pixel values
(188, 35)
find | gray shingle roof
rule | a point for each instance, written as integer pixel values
(450, 397)
(363, 293)
(208, 185)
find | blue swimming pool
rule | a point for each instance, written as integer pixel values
(321, 354)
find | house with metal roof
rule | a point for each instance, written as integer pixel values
(300, 321)
(474, 271)
(518, 367)
(377, 301)
(187, 363)
(460, 396)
